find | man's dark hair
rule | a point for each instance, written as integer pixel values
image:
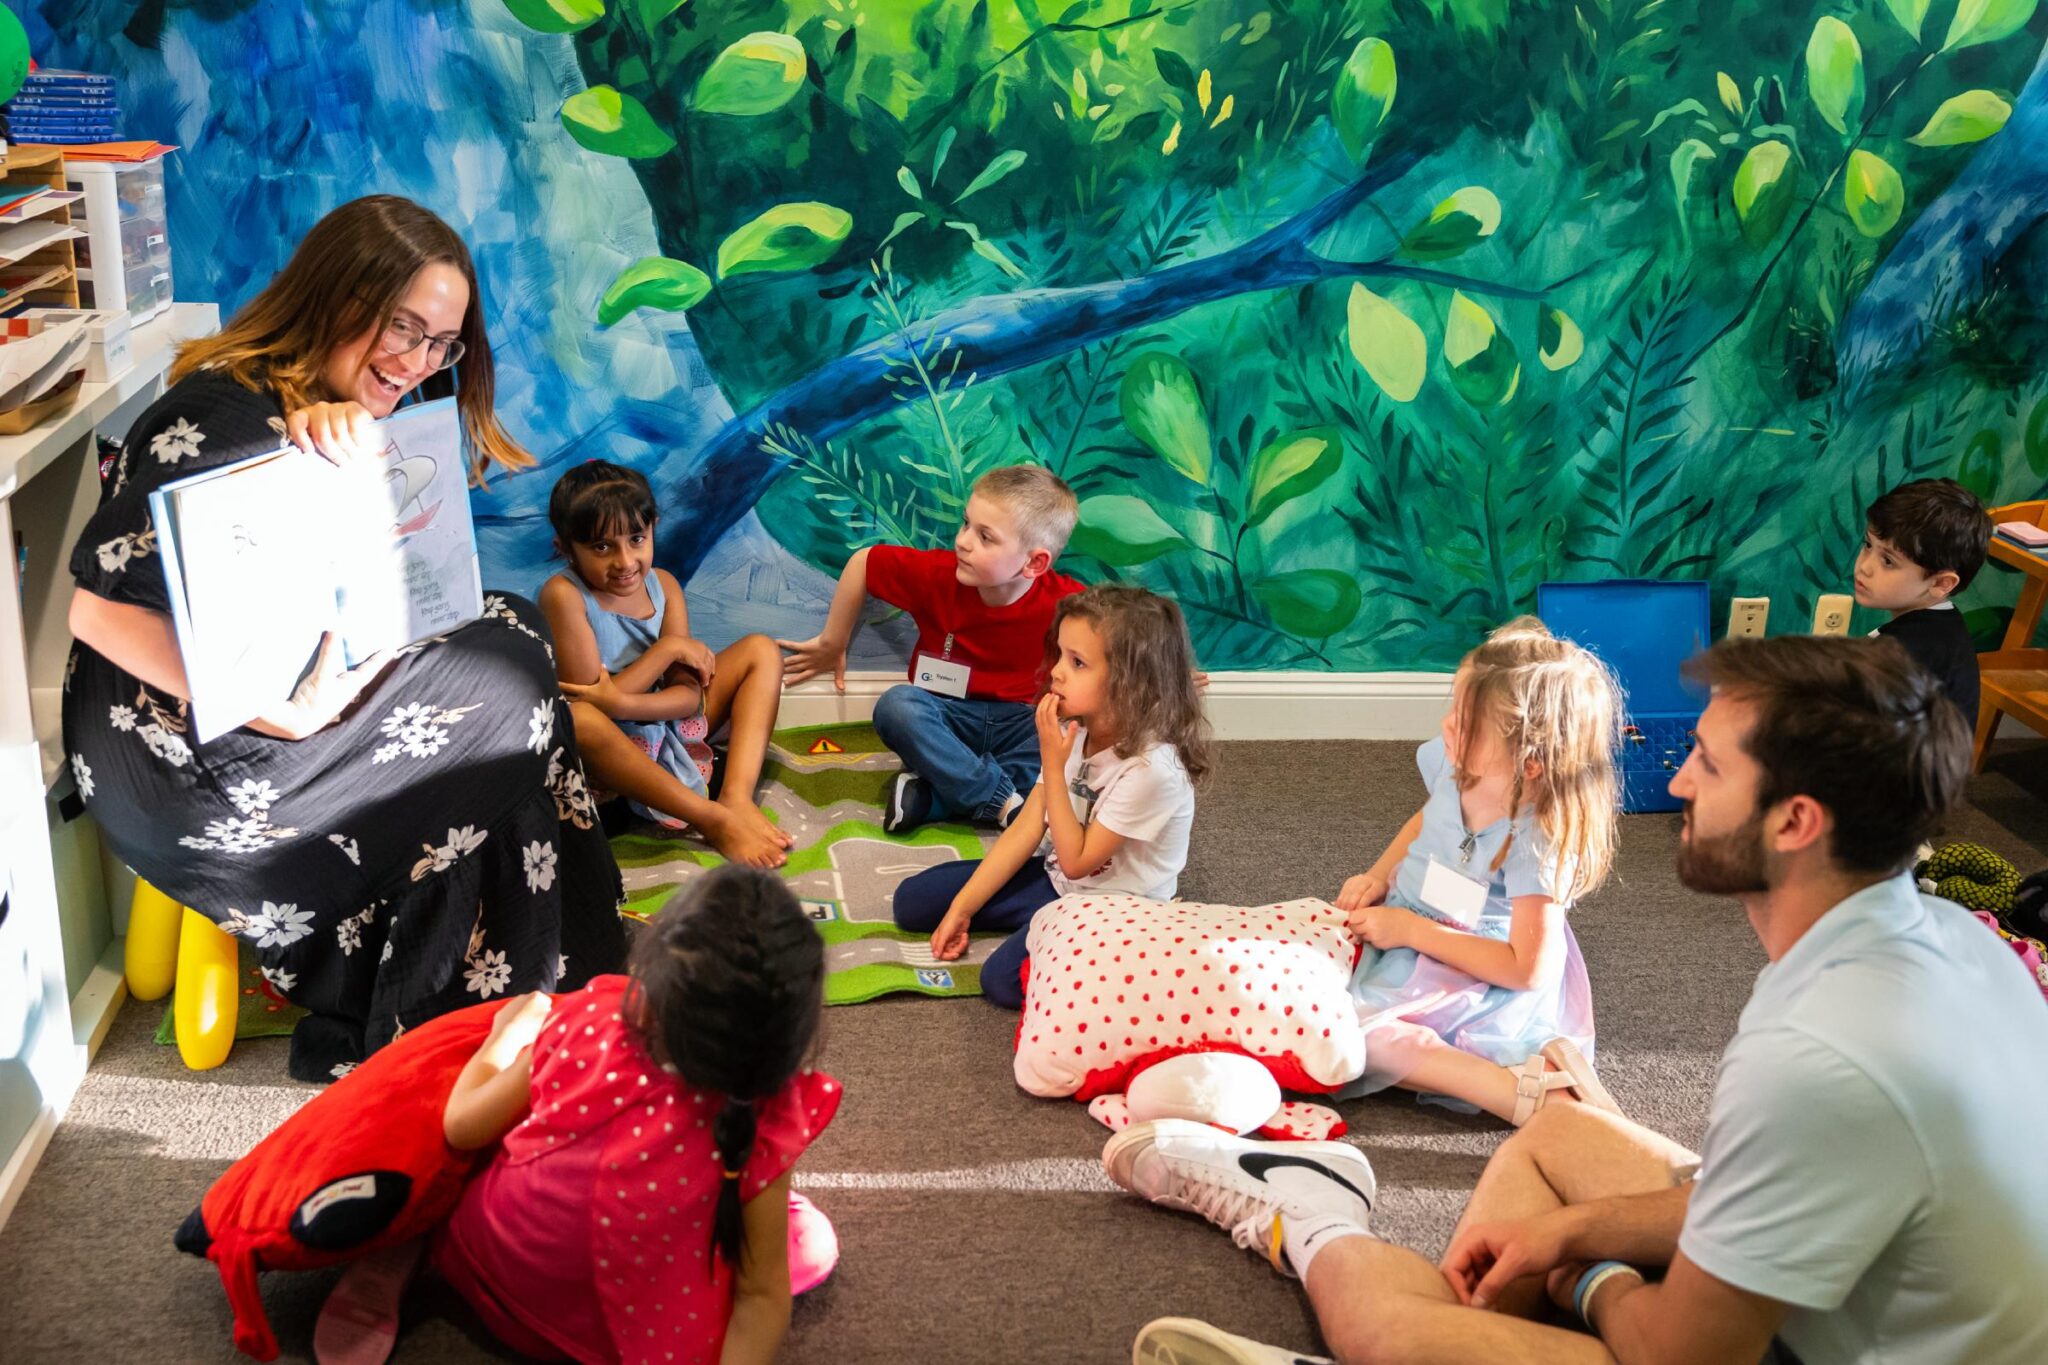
(1857, 726)
(1936, 523)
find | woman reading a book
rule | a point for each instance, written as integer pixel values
(393, 840)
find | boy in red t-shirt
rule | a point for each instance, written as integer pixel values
(963, 724)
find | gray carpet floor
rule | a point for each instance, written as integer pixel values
(974, 1221)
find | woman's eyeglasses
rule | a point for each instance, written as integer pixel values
(402, 336)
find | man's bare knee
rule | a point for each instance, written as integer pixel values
(1587, 1153)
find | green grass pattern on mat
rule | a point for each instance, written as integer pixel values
(256, 1014)
(855, 737)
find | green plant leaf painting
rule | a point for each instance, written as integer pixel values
(1986, 21)
(1872, 193)
(1122, 530)
(613, 124)
(1969, 117)
(653, 282)
(1162, 406)
(1364, 94)
(1484, 366)
(1290, 466)
(556, 16)
(756, 75)
(1454, 225)
(1763, 191)
(786, 237)
(1834, 73)
(1312, 603)
(1387, 343)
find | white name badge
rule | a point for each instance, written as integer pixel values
(1453, 895)
(943, 676)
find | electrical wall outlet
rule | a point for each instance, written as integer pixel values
(1746, 617)
(1831, 614)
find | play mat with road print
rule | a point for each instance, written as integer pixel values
(825, 785)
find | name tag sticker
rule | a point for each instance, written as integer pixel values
(1453, 895)
(943, 676)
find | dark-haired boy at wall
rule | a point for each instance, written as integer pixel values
(1922, 544)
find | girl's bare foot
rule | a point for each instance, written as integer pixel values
(754, 817)
(757, 844)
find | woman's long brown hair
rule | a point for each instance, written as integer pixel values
(346, 278)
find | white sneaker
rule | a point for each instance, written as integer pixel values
(1240, 1184)
(1189, 1341)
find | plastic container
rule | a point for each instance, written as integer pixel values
(1644, 630)
(125, 260)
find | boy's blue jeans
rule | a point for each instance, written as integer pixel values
(922, 901)
(972, 754)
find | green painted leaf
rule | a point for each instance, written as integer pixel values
(1454, 225)
(1986, 21)
(653, 282)
(1731, 94)
(1313, 604)
(1364, 93)
(1162, 405)
(1982, 465)
(1873, 193)
(756, 75)
(2037, 438)
(1559, 341)
(944, 146)
(786, 237)
(988, 250)
(1764, 185)
(903, 220)
(556, 16)
(652, 12)
(1119, 529)
(1292, 465)
(1002, 164)
(1969, 117)
(907, 178)
(606, 121)
(1910, 14)
(1174, 69)
(1484, 367)
(1834, 73)
(1684, 157)
(1387, 343)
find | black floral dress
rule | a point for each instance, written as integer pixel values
(435, 847)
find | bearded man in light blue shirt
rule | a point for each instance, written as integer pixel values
(1866, 1190)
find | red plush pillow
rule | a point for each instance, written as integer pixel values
(362, 1166)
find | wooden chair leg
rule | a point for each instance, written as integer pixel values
(1987, 726)
(208, 1002)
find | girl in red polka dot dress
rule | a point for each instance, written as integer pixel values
(1470, 984)
(639, 1208)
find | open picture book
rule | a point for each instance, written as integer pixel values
(263, 557)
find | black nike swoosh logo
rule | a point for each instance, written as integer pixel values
(1256, 1164)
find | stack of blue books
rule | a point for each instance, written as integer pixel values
(64, 107)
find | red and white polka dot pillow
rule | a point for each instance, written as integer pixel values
(1116, 983)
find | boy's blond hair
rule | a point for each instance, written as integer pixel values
(1044, 508)
(1551, 701)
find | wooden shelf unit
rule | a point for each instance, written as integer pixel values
(52, 271)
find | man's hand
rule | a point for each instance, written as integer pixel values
(1367, 888)
(323, 694)
(1485, 1259)
(808, 658)
(1383, 926)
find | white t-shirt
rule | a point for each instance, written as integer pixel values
(1874, 1141)
(1148, 799)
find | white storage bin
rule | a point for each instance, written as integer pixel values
(109, 354)
(124, 262)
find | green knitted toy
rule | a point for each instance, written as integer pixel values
(1972, 876)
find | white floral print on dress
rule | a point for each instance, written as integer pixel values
(349, 847)
(166, 745)
(239, 836)
(83, 772)
(178, 441)
(541, 727)
(540, 865)
(254, 796)
(439, 859)
(281, 979)
(489, 974)
(279, 926)
(115, 554)
(121, 717)
(418, 730)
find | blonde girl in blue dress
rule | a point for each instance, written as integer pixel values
(1470, 984)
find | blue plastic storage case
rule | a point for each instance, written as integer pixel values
(1644, 630)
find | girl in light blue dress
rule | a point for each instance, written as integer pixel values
(635, 676)
(1470, 984)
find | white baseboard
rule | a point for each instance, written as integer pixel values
(1290, 705)
(22, 1164)
(92, 1014)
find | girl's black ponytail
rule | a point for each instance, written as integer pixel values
(729, 982)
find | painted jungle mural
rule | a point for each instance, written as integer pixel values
(1349, 322)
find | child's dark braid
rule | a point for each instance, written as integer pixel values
(732, 977)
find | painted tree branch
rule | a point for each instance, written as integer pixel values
(1007, 332)
(1944, 260)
